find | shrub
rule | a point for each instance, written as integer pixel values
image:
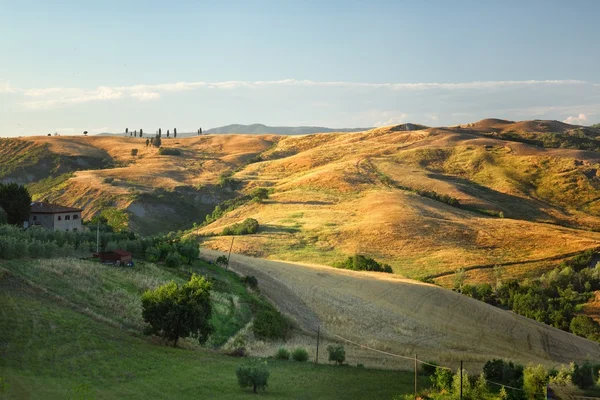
(152, 254)
(254, 375)
(167, 151)
(282, 354)
(260, 194)
(249, 226)
(172, 311)
(108, 180)
(442, 379)
(535, 379)
(134, 152)
(361, 263)
(429, 368)
(269, 324)
(582, 376)
(173, 260)
(250, 281)
(300, 354)
(221, 261)
(337, 353)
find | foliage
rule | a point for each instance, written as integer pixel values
(48, 185)
(300, 354)
(254, 375)
(3, 216)
(250, 281)
(172, 311)
(173, 260)
(582, 376)
(505, 372)
(16, 202)
(429, 368)
(552, 299)
(337, 353)
(116, 218)
(359, 262)
(441, 380)
(221, 261)
(535, 379)
(282, 354)
(260, 194)
(247, 227)
(167, 151)
(269, 324)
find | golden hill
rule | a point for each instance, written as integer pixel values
(384, 192)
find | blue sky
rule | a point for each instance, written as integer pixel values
(70, 66)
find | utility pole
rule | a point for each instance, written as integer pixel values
(415, 377)
(318, 337)
(230, 247)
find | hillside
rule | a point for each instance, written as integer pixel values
(406, 317)
(72, 329)
(426, 201)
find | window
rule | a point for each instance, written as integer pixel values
(67, 230)
(35, 217)
(67, 217)
(75, 216)
(74, 229)
(59, 218)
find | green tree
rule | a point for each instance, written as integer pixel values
(172, 311)
(174, 132)
(173, 260)
(535, 379)
(585, 326)
(16, 202)
(3, 217)
(168, 133)
(337, 353)
(269, 324)
(221, 261)
(254, 374)
(141, 132)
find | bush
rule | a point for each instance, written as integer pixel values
(282, 354)
(167, 151)
(260, 194)
(429, 368)
(134, 152)
(441, 380)
(249, 226)
(337, 353)
(535, 379)
(250, 281)
(300, 354)
(152, 254)
(269, 324)
(362, 263)
(254, 375)
(173, 260)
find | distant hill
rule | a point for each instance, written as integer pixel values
(281, 130)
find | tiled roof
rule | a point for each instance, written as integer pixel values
(122, 253)
(40, 207)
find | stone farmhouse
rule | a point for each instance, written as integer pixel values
(55, 217)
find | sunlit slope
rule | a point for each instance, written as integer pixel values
(340, 194)
(155, 192)
(407, 317)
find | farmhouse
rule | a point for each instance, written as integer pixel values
(55, 217)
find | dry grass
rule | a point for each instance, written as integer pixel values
(404, 317)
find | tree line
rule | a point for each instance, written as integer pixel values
(140, 133)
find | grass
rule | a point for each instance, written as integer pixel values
(50, 348)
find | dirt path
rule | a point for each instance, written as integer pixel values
(406, 317)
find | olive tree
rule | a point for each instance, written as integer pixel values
(254, 375)
(172, 311)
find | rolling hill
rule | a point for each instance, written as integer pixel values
(260, 129)
(426, 201)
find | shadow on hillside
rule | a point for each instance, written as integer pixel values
(513, 206)
(270, 228)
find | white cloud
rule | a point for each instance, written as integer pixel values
(576, 120)
(146, 96)
(386, 118)
(5, 87)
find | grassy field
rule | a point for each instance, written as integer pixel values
(71, 330)
(405, 317)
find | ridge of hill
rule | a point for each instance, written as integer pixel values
(256, 129)
(426, 201)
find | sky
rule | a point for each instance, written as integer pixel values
(70, 66)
